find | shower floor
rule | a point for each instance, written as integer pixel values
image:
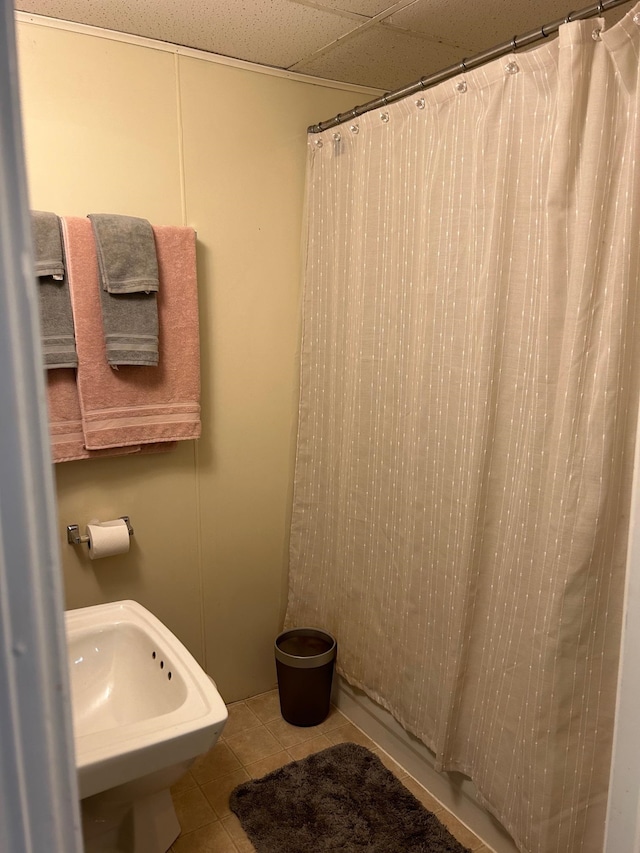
(255, 741)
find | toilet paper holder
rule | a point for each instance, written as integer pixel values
(74, 537)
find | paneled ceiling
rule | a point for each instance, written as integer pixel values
(376, 43)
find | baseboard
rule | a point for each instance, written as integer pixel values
(453, 790)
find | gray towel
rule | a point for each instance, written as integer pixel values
(56, 316)
(126, 253)
(130, 324)
(47, 244)
(128, 264)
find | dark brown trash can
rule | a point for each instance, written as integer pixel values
(305, 659)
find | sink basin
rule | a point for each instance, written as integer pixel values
(141, 703)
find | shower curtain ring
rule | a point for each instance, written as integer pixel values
(600, 8)
(463, 65)
(567, 20)
(514, 44)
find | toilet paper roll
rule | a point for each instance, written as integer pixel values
(107, 538)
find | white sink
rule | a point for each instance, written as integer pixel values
(141, 703)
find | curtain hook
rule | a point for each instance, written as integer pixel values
(600, 8)
(567, 20)
(463, 65)
(514, 44)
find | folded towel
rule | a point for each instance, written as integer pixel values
(56, 318)
(129, 275)
(126, 253)
(56, 324)
(137, 405)
(65, 420)
(65, 424)
(47, 244)
(130, 328)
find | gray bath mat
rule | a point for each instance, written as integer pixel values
(341, 799)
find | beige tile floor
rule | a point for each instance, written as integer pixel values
(255, 741)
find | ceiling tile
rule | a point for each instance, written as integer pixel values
(369, 8)
(271, 32)
(381, 55)
(482, 25)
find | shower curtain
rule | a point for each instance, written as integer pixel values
(468, 410)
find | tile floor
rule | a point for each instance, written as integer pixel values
(255, 741)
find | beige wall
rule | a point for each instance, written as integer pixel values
(118, 127)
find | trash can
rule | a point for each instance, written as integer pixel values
(305, 659)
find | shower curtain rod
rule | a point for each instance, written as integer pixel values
(467, 64)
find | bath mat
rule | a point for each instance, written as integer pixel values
(341, 799)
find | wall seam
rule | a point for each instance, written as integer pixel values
(196, 459)
(181, 167)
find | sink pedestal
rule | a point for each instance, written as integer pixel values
(137, 817)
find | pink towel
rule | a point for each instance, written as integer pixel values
(137, 405)
(65, 419)
(65, 423)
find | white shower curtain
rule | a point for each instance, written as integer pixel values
(468, 413)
